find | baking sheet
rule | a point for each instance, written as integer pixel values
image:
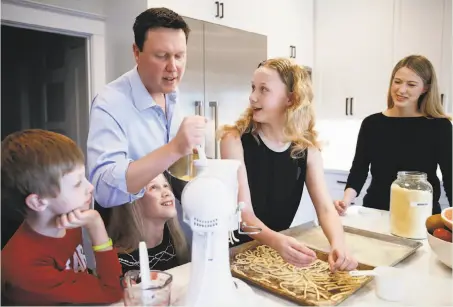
(273, 285)
(368, 247)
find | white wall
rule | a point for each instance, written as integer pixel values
(120, 36)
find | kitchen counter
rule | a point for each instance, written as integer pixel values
(423, 261)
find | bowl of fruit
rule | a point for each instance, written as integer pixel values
(439, 234)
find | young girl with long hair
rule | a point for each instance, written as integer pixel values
(276, 142)
(152, 219)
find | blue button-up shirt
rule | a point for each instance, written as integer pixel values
(125, 125)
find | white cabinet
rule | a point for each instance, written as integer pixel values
(430, 38)
(358, 42)
(446, 72)
(288, 24)
(336, 183)
(290, 30)
(244, 15)
(306, 212)
(353, 56)
(418, 30)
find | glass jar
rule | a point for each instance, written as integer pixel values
(411, 203)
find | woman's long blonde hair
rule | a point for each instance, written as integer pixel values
(429, 102)
(126, 227)
(299, 117)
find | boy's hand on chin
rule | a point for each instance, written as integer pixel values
(78, 218)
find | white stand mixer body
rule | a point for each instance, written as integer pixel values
(209, 204)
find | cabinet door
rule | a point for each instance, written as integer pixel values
(353, 56)
(247, 15)
(332, 57)
(446, 73)
(205, 10)
(290, 23)
(279, 31)
(418, 30)
(372, 56)
(306, 211)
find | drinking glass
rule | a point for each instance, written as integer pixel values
(158, 294)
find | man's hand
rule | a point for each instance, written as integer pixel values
(190, 134)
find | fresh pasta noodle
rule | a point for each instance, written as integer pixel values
(314, 284)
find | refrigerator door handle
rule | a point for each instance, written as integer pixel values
(215, 115)
(199, 108)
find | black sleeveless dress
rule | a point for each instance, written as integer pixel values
(276, 183)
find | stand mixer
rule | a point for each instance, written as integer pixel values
(210, 208)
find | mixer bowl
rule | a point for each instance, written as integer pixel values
(181, 172)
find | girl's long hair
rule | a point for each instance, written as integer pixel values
(300, 115)
(126, 230)
(429, 102)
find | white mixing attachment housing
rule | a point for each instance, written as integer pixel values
(210, 208)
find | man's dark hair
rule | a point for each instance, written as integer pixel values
(157, 18)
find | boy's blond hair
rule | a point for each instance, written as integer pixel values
(33, 162)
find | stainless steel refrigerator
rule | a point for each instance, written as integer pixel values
(217, 81)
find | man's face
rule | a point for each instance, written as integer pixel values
(162, 61)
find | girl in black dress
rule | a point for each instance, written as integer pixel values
(152, 219)
(276, 142)
(413, 134)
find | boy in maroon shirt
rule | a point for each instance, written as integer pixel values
(43, 176)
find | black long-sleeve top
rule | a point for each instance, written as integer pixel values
(393, 144)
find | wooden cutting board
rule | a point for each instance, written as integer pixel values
(315, 285)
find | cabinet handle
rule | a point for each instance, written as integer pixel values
(221, 5)
(218, 9)
(341, 182)
(346, 104)
(442, 99)
(350, 105)
(292, 52)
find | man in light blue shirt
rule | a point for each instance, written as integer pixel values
(136, 128)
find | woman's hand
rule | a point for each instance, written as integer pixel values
(294, 252)
(341, 206)
(340, 259)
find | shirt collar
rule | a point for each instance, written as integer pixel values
(141, 98)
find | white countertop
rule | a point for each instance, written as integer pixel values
(424, 262)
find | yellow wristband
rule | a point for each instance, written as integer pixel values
(103, 246)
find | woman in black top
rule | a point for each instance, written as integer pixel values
(277, 144)
(413, 134)
(152, 219)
